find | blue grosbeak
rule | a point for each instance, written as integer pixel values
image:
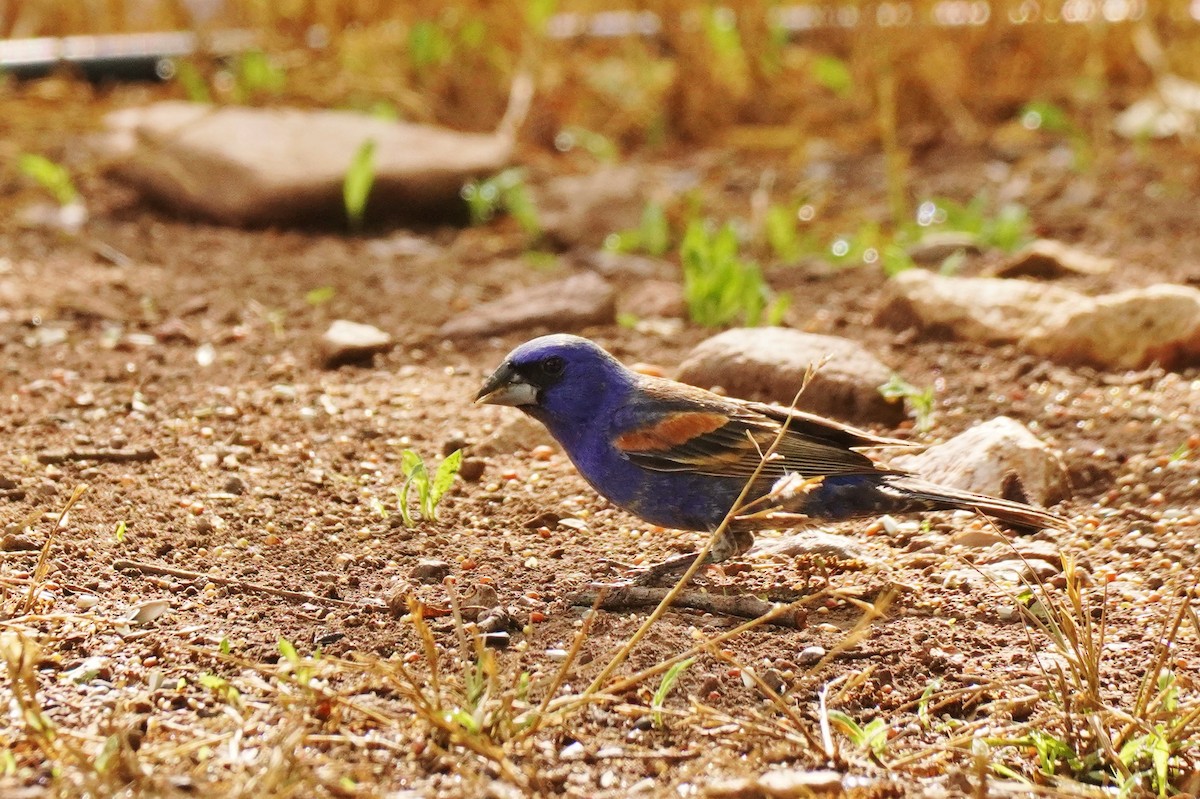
(679, 456)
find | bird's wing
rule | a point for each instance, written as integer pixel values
(675, 428)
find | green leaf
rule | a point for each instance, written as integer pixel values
(288, 651)
(356, 188)
(195, 87)
(833, 73)
(444, 478)
(464, 720)
(225, 646)
(664, 688)
(119, 532)
(52, 177)
(320, 296)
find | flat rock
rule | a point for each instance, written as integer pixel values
(581, 210)
(975, 309)
(1125, 330)
(570, 304)
(770, 363)
(350, 342)
(258, 166)
(983, 458)
(1052, 258)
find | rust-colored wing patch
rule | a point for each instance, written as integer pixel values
(671, 431)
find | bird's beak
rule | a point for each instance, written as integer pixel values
(506, 387)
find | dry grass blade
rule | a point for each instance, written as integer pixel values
(43, 563)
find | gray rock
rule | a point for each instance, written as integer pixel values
(430, 571)
(982, 458)
(1126, 330)
(569, 304)
(351, 342)
(934, 248)
(254, 166)
(770, 363)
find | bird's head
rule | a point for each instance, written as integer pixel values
(557, 378)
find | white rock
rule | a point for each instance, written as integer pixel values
(348, 342)
(252, 166)
(1126, 330)
(976, 309)
(982, 458)
(770, 363)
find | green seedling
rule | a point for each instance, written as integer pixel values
(1008, 229)
(664, 689)
(919, 401)
(834, 74)
(651, 236)
(195, 87)
(320, 295)
(255, 74)
(506, 192)
(119, 532)
(52, 177)
(429, 491)
(873, 737)
(719, 286)
(356, 188)
(428, 46)
(222, 689)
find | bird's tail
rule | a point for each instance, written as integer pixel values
(930, 496)
(796, 500)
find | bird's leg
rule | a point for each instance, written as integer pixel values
(730, 544)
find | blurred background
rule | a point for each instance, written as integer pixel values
(614, 76)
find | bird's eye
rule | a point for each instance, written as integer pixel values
(553, 365)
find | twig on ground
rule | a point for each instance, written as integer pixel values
(106, 455)
(744, 606)
(241, 585)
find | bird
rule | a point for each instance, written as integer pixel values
(679, 456)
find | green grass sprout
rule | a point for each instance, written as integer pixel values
(51, 176)
(356, 188)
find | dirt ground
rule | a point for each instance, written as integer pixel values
(273, 470)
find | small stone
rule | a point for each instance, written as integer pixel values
(497, 639)
(234, 485)
(983, 458)
(770, 363)
(773, 678)
(934, 248)
(810, 655)
(430, 571)
(472, 469)
(18, 543)
(577, 210)
(348, 342)
(569, 304)
(977, 538)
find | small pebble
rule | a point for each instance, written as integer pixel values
(810, 655)
(430, 571)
